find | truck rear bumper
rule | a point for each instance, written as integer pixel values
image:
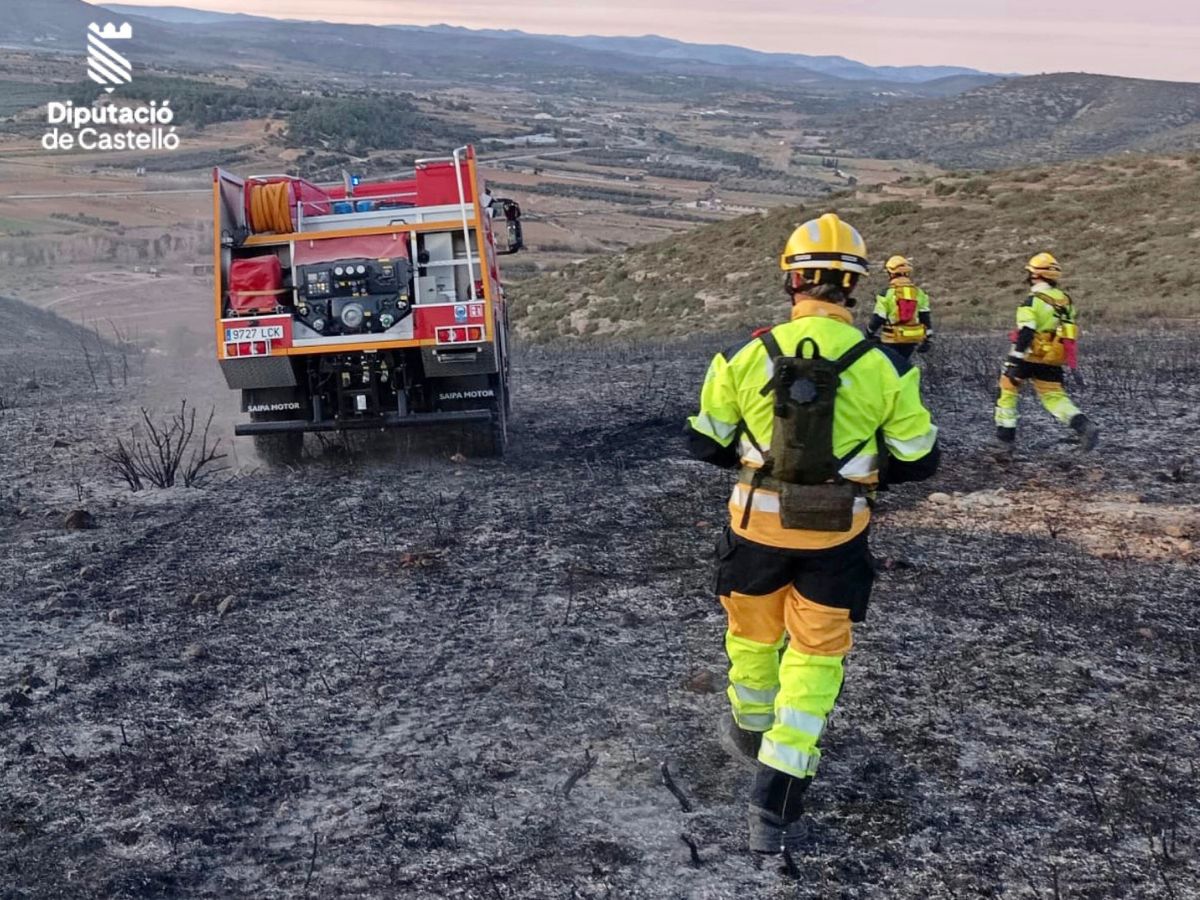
(391, 420)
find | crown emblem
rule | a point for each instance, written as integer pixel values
(111, 32)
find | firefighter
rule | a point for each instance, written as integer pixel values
(1043, 342)
(799, 589)
(902, 318)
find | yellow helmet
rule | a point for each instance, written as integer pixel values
(897, 266)
(825, 243)
(1045, 267)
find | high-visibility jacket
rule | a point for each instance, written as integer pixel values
(889, 313)
(879, 393)
(1046, 326)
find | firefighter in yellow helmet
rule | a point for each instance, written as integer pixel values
(1043, 342)
(902, 318)
(808, 413)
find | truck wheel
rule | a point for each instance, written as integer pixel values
(282, 449)
(491, 438)
(279, 449)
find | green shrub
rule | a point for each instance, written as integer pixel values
(889, 209)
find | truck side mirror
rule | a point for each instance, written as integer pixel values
(510, 212)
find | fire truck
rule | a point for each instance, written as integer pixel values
(364, 305)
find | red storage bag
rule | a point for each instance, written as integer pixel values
(255, 285)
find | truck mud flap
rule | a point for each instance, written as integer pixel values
(392, 420)
(259, 372)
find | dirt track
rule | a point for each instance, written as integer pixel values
(461, 680)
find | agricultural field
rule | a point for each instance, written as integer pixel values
(397, 671)
(594, 176)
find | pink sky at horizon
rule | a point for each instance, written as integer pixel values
(1152, 39)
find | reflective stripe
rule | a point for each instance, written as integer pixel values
(861, 466)
(764, 501)
(754, 721)
(789, 759)
(913, 448)
(767, 502)
(1006, 417)
(864, 466)
(749, 452)
(801, 721)
(722, 431)
(755, 695)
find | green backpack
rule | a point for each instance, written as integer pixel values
(801, 465)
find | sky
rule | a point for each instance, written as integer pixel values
(1147, 39)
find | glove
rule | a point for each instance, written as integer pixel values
(872, 337)
(925, 346)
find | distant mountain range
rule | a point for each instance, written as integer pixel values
(955, 117)
(667, 49)
(664, 51)
(180, 15)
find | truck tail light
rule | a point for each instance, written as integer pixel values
(461, 334)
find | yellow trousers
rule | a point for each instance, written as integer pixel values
(790, 620)
(1052, 394)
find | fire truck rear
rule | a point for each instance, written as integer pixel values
(366, 305)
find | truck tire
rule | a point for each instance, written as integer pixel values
(491, 438)
(282, 449)
(506, 371)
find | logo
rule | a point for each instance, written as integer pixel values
(106, 66)
(482, 394)
(460, 314)
(274, 407)
(106, 125)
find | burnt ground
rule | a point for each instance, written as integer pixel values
(441, 678)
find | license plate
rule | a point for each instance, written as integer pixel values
(258, 333)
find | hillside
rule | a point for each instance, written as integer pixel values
(1042, 118)
(1125, 230)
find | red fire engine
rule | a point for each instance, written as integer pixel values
(365, 305)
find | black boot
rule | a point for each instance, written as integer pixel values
(1006, 441)
(776, 804)
(1088, 431)
(740, 744)
(770, 834)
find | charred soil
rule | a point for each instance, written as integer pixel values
(397, 673)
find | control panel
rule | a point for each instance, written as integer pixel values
(354, 296)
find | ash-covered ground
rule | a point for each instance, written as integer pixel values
(391, 673)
